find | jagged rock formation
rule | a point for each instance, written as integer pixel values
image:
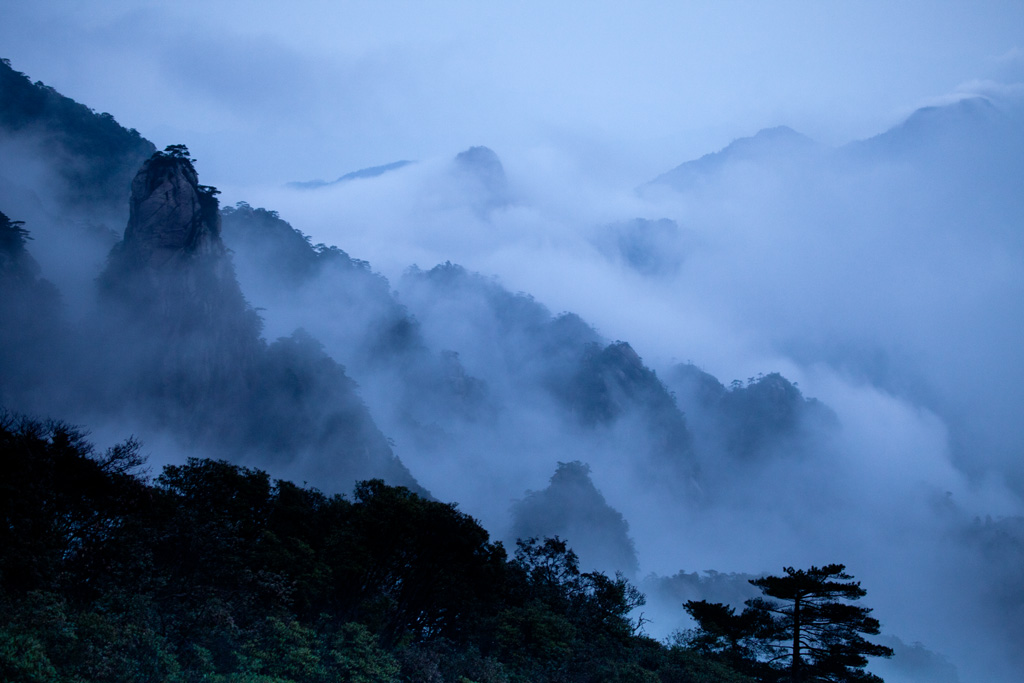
(572, 508)
(170, 278)
(187, 353)
(172, 262)
(172, 216)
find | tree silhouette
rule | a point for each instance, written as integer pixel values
(177, 152)
(814, 629)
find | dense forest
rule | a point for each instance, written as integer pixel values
(215, 572)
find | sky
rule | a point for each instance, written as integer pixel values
(267, 92)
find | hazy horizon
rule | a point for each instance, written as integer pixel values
(320, 89)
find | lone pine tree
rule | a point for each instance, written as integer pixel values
(815, 629)
(805, 630)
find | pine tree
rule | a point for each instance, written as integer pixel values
(817, 635)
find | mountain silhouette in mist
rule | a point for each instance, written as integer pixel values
(572, 508)
(94, 155)
(650, 247)
(180, 342)
(32, 331)
(761, 418)
(934, 127)
(361, 174)
(481, 171)
(766, 146)
(224, 332)
(943, 133)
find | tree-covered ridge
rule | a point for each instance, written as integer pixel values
(94, 156)
(216, 572)
(767, 414)
(31, 330)
(572, 508)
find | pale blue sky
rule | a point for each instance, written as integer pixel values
(274, 91)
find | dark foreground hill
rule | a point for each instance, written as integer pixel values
(215, 572)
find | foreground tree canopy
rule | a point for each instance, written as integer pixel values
(216, 572)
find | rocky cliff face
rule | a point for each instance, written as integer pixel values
(186, 352)
(171, 279)
(172, 215)
(172, 268)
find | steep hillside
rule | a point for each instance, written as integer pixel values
(88, 156)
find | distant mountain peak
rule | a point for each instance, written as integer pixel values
(480, 157)
(480, 165)
(937, 129)
(361, 174)
(975, 106)
(765, 145)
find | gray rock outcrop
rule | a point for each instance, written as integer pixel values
(171, 215)
(183, 350)
(171, 279)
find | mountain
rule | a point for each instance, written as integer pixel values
(226, 333)
(413, 388)
(572, 508)
(764, 417)
(768, 146)
(65, 170)
(31, 325)
(46, 137)
(171, 279)
(929, 129)
(482, 173)
(452, 360)
(650, 247)
(173, 349)
(363, 173)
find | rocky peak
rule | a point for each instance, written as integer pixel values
(481, 168)
(171, 265)
(171, 214)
